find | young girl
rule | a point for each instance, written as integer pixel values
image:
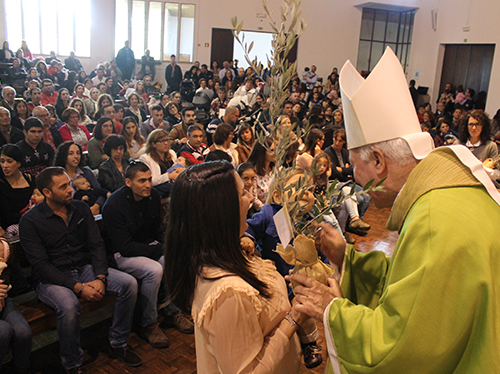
(247, 174)
(262, 230)
(322, 170)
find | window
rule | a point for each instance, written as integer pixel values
(61, 26)
(162, 27)
(381, 29)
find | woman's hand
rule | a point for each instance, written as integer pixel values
(339, 169)
(312, 297)
(95, 209)
(173, 175)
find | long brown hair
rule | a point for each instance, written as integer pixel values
(154, 137)
(137, 136)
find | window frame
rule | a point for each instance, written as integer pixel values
(21, 3)
(405, 25)
(162, 57)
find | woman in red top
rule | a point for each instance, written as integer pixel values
(72, 131)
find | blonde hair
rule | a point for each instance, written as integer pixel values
(273, 186)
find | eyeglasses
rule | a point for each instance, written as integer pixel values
(475, 124)
(162, 141)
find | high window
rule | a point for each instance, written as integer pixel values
(381, 29)
(162, 27)
(61, 26)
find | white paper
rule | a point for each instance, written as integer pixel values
(283, 225)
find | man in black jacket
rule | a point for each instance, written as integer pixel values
(133, 228)
(8, 133)
(68, 258)
(173, 75)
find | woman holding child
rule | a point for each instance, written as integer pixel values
(69, 157)
(162, 161)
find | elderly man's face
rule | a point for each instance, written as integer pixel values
(364, 171)
(9, 95)
(43, 115)
(4, 118)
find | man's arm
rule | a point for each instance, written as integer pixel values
(37, 255)
(95, 244)
(115, 224)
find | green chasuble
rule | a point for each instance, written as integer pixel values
(434, 307)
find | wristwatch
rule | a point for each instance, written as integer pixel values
(103, 279)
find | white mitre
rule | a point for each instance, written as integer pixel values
(380, 108)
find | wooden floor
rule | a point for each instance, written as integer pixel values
(180, 357)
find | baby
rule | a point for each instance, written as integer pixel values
(85, 192)
(36, 198)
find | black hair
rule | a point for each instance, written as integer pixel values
(62, 154)
(221, 133)
(311, 140)
(258, 156)
(193, 128)
(483, 120)
(217, 155)
(45, 178)
(156, 108)
(187, 109)
(134, 167)
(113, 142)
(98, 127)
(12, 151)
(118, 107)
(244, 167)
(214, 241)
(32, 122)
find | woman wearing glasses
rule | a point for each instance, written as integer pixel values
(162, 161)
(72, 131)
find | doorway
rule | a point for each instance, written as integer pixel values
(468, 65)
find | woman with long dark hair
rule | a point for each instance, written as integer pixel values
(262, 159)
(70, 157)
(62, 102)
(103, 129)
(312, 146)
(133, 138)
(246, 139)
(476, 135)
(242, 317)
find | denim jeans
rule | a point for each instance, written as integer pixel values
(68, 307)
(150, 272)
(14, 330)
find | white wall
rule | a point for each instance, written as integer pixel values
(332, 33)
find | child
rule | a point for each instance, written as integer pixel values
(36, 198)
(261, 229)
(321, 168)
(85, 192)
(247, 175)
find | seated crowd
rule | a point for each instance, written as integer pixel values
(75, 146)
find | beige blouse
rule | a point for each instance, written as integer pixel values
(236, 329)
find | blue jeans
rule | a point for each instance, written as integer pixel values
(14, 329)
(68, 307)
(150, 272)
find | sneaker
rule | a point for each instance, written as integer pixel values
(125, 355)
(154, 336)
(180, 322)
(349, 239)
(77, 370)
(358, 227)
(312, 355)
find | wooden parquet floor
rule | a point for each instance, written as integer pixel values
(180, 357)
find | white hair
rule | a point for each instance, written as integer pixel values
(7, 88)
(397, 150)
